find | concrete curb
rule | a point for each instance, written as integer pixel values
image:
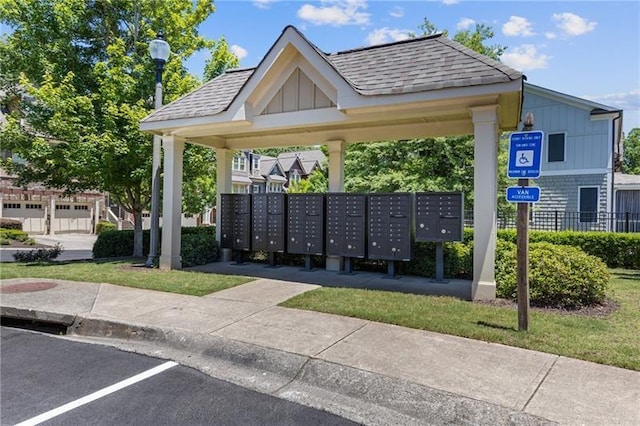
(355, 394)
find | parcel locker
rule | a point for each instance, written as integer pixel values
(235, 221)
(305, 233)
(390, 225)
(346, 225)
(439, 216)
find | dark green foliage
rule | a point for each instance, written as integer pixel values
(38, 255)
(617, 250)
(458, 261)
(10, 224)
(559, 276)
(198, 249)
(105, 226)
(198, 245)
(16, 235)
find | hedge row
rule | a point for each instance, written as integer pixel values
(617, 250)
(198, 245)
(10, 224)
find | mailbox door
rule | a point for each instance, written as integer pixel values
(378, 227)
(335, 223)
(226, 220)
(314, 223)
(296, 224)
(355, 231)
(400, 244)
(276, 232)
(259, 223)
(439, 216)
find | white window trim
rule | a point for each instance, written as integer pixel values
(241, 163)
(597, 188)
(564, 154)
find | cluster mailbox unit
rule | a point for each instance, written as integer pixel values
(439, 218)
(390, 226)
(235, 224)
(268, 224)
(373, 226)
(347, 226)
(306, 225)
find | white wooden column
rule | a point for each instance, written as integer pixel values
(336, 184)
(96, 214)
(52, 213)
(170, 257)
(485, 204)
(224, 161)
(1, 203)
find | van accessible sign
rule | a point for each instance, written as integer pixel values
(525, 155)
(523, 194)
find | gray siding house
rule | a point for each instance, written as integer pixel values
(581, 154)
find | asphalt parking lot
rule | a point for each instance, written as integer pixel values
(62, 382)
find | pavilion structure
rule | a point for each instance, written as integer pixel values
(298, 95)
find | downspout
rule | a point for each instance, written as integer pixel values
(616, 135)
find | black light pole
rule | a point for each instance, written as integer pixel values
(159, 51)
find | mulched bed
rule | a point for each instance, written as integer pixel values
(603, 310)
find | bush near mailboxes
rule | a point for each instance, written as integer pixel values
(198, 245)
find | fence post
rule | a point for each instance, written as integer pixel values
(626, 222)
(556, 220)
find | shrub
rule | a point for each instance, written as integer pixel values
(38, 255)
(458, 260)
(4, 241)
(104, 225)
(198, 249)
(17, 235)
(10, 224)
(617, 250)
(559, 276)
(198, 245)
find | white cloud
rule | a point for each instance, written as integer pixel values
(550, 36)
(450, 2)
(387, 35)
(335, 13)
(465, 24)
(239, 51)
(263, 4)
(626, 101)
(573, 25)
(517, 26)
(525, 57)
(397, 12)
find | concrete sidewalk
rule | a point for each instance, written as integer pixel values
(365, 371)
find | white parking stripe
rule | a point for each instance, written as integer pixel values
(97, 395)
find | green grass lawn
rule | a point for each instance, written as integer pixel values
(126, 273)
(613, 340)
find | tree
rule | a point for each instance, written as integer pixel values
(317, 182)
(221, 59)
(88, 79)
(631, 157)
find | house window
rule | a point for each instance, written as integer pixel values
(11, 205)
(240, 163)
(294, 177)
(275, 187)
(255, 165)
(81, 207)
(588, 204)
(33, 206)
(238, 188)
(63, 207)
(555, 153)
(257, 189)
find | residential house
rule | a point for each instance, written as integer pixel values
(45, 210)
(581, 155)
(255, 173)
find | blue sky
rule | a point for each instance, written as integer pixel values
(589, 49)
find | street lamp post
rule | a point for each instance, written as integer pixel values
(159, 51)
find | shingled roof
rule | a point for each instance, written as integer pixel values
(414, 65)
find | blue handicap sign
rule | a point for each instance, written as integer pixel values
(523, 194)
(525, 154)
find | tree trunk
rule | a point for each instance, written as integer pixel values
(137, 234)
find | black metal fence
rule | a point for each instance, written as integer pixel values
(558, 220)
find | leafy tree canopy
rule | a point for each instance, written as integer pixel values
(221, 59)
(631, 155)
(87, 77)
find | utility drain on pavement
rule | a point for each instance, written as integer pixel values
(27, 287)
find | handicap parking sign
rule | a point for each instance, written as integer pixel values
(525, 154)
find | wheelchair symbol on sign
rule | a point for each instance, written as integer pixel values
(525, 158)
